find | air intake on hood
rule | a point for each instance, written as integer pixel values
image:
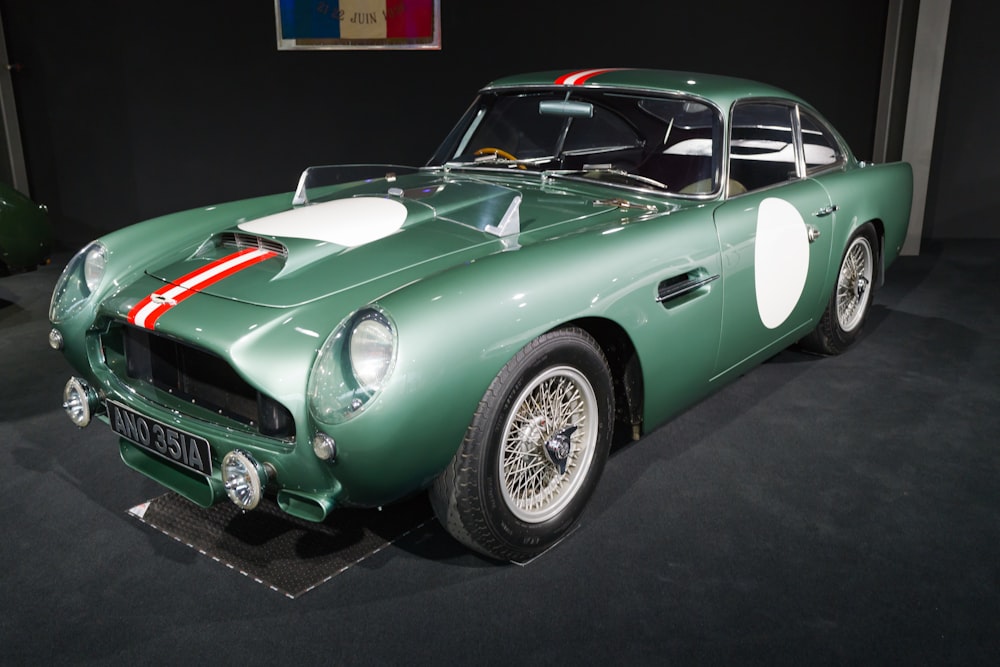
(240, 240)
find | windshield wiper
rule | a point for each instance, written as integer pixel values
(598, 171)
(496, 160)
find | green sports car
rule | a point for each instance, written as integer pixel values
(587, 254)
(25, 232)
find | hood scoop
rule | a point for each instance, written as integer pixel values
(241, 241)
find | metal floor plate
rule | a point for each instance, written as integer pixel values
(275, 549)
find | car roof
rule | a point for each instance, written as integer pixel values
(723, 90)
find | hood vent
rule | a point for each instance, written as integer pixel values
(241, 240)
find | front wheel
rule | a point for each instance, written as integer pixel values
(847, 310)
(534, 451)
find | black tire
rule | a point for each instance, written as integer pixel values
(851, 300)
(553, 403)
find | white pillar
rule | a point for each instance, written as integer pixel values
(921, 113)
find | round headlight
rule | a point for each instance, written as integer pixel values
(78, 281)
(93, 266)
(372, 349)
(352, 366)
(243, 478)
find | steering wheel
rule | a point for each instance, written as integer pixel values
(499, 152)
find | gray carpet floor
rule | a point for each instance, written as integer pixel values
(817, 511)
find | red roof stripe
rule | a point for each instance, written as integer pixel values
(581, 77)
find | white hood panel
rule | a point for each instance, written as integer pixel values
(345, 222)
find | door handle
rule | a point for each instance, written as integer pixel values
(681, 285)
(826, 210)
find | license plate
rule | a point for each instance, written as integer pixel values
(181, 447)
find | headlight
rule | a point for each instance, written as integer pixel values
(352, 366)
(93, 265)
(81, 277)
(373, 346)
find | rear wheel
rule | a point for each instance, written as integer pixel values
(534, 451)
(851, 300)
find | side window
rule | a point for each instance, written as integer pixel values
(820, 148)
(761, 146)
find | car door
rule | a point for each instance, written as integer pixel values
(775, 253)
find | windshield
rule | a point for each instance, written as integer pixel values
(661, 143)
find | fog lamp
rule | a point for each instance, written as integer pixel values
(79, 401)
(243, 478)
(324, 447)
(55, 339)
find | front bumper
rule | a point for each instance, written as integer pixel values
(188, 390)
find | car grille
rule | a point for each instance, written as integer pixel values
(202, 379)
(240, 241)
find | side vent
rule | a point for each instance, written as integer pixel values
(240, 241)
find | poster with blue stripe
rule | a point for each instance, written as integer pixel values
(358, 24)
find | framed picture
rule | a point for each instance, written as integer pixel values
(358, 24)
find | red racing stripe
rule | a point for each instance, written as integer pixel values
(581, 77)
(149, 309)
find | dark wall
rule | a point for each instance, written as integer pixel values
(964, 176)
(134, 109)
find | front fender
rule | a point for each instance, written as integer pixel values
(458, 329)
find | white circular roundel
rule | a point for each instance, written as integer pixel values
(781, 260)
(346, 222)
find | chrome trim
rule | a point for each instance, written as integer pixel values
(800, 151)
(680, 289)
(842, 150)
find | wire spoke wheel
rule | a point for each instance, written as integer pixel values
(853, 284)
(844, 317)
(557, 402)
(534, 451)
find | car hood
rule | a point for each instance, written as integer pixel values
(395, 230)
